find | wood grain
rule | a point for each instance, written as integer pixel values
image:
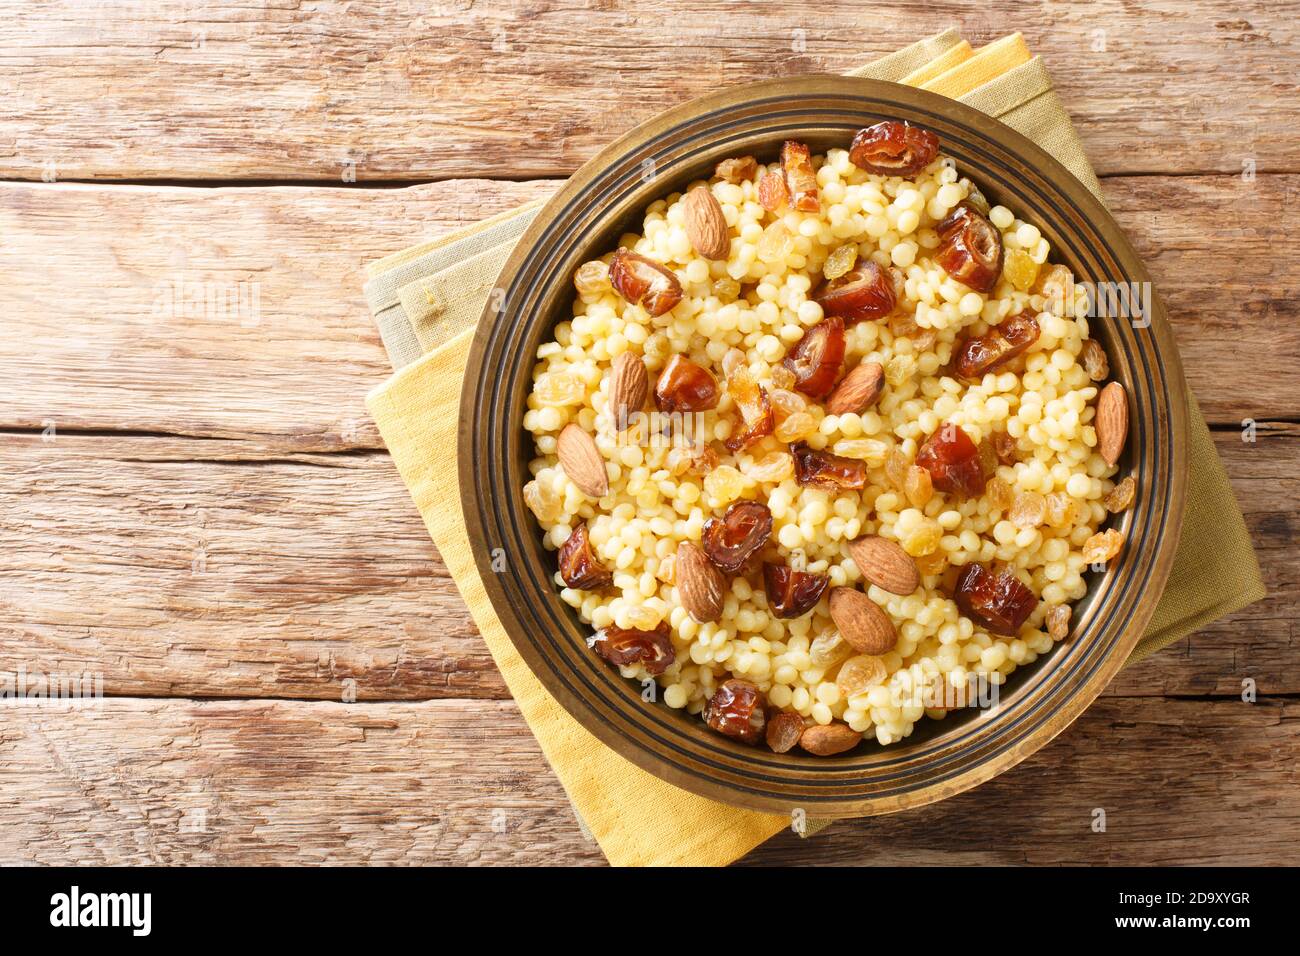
(407, 90)
(175, 781)
(236, 568)
(99, 340)
(299, 369)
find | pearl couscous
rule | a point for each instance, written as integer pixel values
(719, 311)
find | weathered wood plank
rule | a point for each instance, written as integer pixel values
(298, 370)
(207, 568)
(92, 329)
(1181, 783)
(236, 568)
(407, 90)
(173, 781)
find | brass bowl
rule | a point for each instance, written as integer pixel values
(584, 220)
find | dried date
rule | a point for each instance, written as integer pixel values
(730, 541)
(791, 593)
(625, 645)
(737, 710)
(578, 565)
(893, 148)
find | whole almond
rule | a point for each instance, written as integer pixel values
(1112, 422)
(581, 461)
(861, 622)
(829, 739)
(627, 388)
(699, 583)
(706, 226)
(885, 564)
(859, 389)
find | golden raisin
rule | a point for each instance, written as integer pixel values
(1029, 510)
(918, 487)
(1058, 622)
(859, 674)
(542, 501)
(1103, 546)
(1121, 496)
(796, 426)
(840, 261)
(923, 539)
(1020, 269)
(999, 494)
(896, 467)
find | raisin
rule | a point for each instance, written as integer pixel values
(730, 541)
(640, 280)
(998, 601)
(1020, 269)
(736, 710)
(800, 178)
(860, 674)
(918, 487)
(995, 348)
(772, 191)
(1103, 546)
(893, 148)
(1029, 510)
(970, 249)
(864, 292)
(783, 730)
(684, 386)
(840, 261)
(821, 469)
(578, 565)
(1093, 359)
(1121, 496)
(817, 359)
(738, 169)
(791, 593)
(953, 461)
(624, 645)
(1058, 622)
(1004, 447)
(756, 414)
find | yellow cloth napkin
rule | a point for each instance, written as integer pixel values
(426, 301)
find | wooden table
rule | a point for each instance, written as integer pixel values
(196, 506)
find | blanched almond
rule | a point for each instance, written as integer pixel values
(885, 564)
(857, 390)
(828, 740)
(706, 226)
(1112, 422)
(699, 583)
(581, 461)
(628, 387)
(861, 622)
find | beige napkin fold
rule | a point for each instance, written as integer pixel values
(426, 301)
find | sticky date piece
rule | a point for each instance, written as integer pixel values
(970, 249)
(578, 565)
(684, 386)
(626, 645)
(864, 292)
(822, 469)
(730, 541)
(641, 280)
(996, 347)
(893, 148)
(791, 593)
(817, 359)
(996, 600)
(737, 709)
(953, 461)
